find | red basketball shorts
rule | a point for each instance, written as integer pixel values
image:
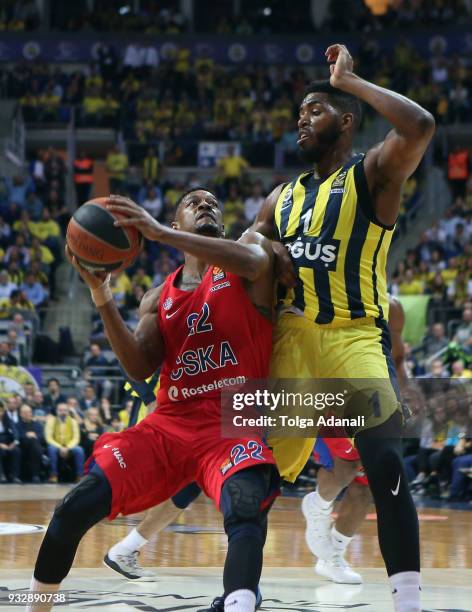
(172, 447)
(327, 449)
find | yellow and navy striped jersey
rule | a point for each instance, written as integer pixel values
(338, 247)
(146, 391)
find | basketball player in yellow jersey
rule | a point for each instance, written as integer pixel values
(337, 222)
(341, 468)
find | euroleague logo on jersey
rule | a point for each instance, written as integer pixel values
(308, 252)
(217, 274)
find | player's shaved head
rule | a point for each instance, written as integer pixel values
(184, 196)
(198, 210)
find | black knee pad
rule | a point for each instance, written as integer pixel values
(186, 496)
(84, 505)
(243, 494)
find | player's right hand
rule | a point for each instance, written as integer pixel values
(284, 269)
(92, 280)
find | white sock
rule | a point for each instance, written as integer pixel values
(41, 587)
(133, 541)
(242, 600)
(406, 591)
(323, 504)
(340, 541)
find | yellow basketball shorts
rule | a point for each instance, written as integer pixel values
(305, 350)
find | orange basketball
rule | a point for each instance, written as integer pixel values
(97, 243)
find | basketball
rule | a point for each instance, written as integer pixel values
(97, 243)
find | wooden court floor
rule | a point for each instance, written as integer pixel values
(189, 554)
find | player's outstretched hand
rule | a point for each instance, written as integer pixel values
(92, 280)
(341, 64)
(136, 217)
(284, 269)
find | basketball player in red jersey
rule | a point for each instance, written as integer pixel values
(207, 326)
(340, 468)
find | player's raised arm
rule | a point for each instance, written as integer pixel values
(140, 353)
(390, 163)
(249, 257)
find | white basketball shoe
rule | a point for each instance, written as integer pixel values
(318, 528)
(338, 570)
(127, 565)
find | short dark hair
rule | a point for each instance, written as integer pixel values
(343, 101)
(184, 195)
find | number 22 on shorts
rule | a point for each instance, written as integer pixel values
(249, 450)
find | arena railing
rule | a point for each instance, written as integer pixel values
(15, 145)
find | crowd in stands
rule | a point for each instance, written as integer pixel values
(179, 100)
(48, 436)
(32, 220)
(276, 17)
(441, 263)
(439, 460)
(19, 15)
(438, 444)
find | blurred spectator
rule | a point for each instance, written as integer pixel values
(410, 285)
(125, 413)
(463, 335)
(105, 410)
(117, 165)
(459, 370)
(153, 203)
(13, 404)
(232, 167)
(89, 400)
(253, 203)
(54, 168)
(95, 365)
(151, 166)
(116, 424)
(83, 177)
(233, 211)
(32, 442)
(6, 286)
(436, 340)
(458, 170)
(461, 466)
(433, 435)
(34, 291)
(40, 410)
(75, 409)
(54, 396)
(107, 61)
(33, 206)
(63, 436)
(17, 350)
(10, 455)
(6, 358)
(92, 428)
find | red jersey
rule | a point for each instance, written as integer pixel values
(214, 338)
